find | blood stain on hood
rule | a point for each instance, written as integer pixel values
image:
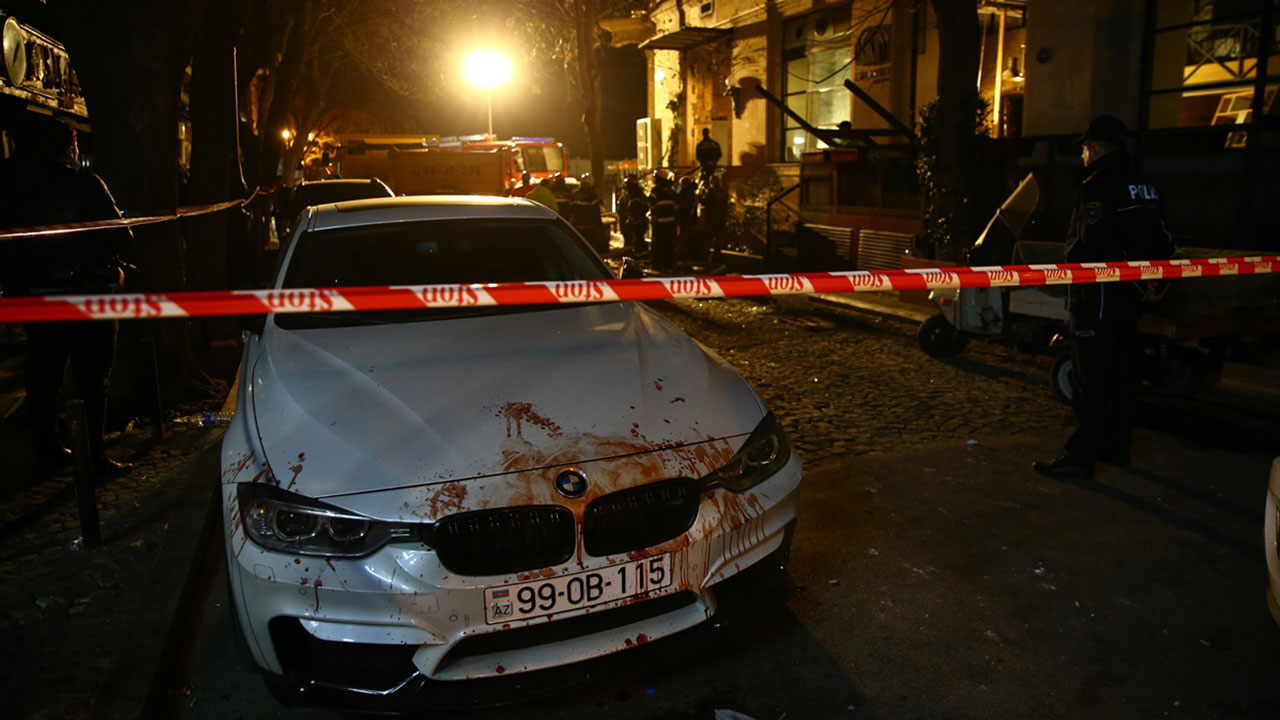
(296, 469)
(523, 412)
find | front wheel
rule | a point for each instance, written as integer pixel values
(939, 338)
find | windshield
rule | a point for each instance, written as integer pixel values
(474, 250)
(543, 158)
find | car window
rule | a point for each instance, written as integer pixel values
(435, 252)
(543, 159)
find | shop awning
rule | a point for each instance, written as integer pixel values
(685, 38)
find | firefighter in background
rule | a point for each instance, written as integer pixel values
(662, 221)
(1118, 217)
(541, 193)
(41, 185)
(715, 214)
(635, 217)
(687, 240)
(560, 188)
(584, 215)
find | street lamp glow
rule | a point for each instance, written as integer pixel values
(486, 68)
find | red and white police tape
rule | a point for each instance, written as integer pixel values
(66, 228)
(130, 306)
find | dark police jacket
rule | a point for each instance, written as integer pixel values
(1118, 217)
(707, 151)
(36, 194)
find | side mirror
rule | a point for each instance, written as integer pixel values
(631, 269)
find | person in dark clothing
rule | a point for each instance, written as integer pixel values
(662, 222)
(635, 217)
(41, 186)
(584, 215)
(1118, 217)
(687, 241)
(707, 152)
(715, 215)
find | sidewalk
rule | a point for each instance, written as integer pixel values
(87, 633)
(1243, 385)
(885, 304)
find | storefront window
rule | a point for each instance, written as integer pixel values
(1206, 56)
(817, 54)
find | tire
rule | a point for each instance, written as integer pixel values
(1060, 374)
(939, 338)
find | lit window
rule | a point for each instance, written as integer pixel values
(817, 54)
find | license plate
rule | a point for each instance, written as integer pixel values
(504, 603)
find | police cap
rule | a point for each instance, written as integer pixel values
(1104, 128)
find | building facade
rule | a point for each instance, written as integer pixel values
(1196, 78)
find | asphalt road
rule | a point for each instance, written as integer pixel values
(933, 574)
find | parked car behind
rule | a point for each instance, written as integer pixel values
(320, 192)
(417, 496)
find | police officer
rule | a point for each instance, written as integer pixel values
(41, 186)
(707, 152)
(584, 215)
(1118, 217)
(662, 222)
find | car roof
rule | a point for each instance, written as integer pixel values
(340, 181)
(374, 211)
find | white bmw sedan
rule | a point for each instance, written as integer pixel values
(1271, 540)
(416, 496)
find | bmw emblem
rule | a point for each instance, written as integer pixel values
(571, 483)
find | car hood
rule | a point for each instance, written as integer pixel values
(376, 407)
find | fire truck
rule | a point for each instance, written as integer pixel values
(369, 156)
(526, 160)
(531, 158)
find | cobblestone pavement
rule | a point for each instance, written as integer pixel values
(868, 387)
(66, 614)
(70, 619)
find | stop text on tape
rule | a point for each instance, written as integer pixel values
(134, 306)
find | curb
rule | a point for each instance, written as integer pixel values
(136, 684)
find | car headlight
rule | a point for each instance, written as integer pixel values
(287, 522)
(764, 453)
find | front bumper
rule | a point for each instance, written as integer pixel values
(391, 623)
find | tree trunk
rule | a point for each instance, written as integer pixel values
(959, 42)
(215, 149)
(586, 13)
(285, 84)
